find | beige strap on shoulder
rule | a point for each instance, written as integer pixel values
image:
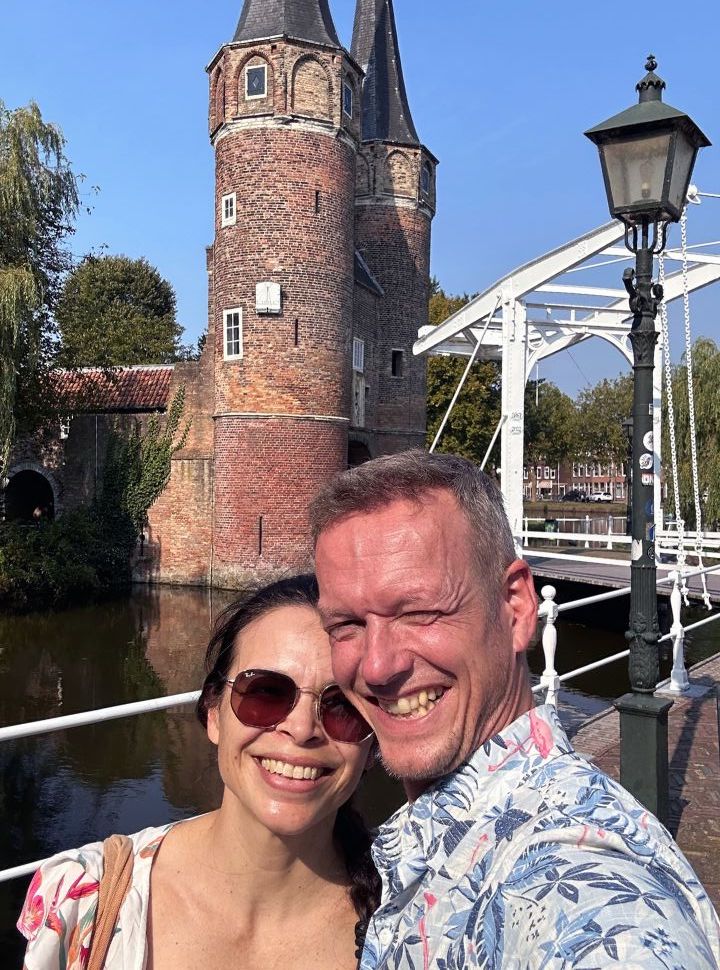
(114, 885)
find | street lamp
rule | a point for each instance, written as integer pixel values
(627, 427)
(647, 155)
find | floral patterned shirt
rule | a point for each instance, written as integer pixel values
(58, 917)
(527, 857)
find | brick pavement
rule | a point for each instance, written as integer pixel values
(694, 752)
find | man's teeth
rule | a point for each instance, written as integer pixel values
(414, 705)
(298, 772)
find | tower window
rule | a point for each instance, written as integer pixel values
(256, 81)
(358, 355)
(397, 363)
(347, 99)
(233, 334)
(426, 179)
(229, 209)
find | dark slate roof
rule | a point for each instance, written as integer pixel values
(308, 20)
(386, 112)
(365, 278)
(144, 388)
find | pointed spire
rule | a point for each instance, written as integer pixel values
(308, 20)
(386, 112)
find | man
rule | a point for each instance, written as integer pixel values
(514, 852)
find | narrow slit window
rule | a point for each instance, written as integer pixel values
(426, 179)
(297, 333)
(347, 99)
(397, 363)
(256, 82)
(317, 200)
(229, 209)
(233, 334)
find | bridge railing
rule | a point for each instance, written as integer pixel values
(550, 681)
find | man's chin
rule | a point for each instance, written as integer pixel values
(419, 768)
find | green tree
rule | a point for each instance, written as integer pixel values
(706, 380)
(116, 311)
(551, 424)
(38, 203)
(601, 412)
(476, 413)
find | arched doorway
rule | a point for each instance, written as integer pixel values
(358, 453)
(29, 498)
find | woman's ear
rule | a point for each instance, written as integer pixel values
(213, 729)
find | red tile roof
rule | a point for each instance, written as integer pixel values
(144, 388)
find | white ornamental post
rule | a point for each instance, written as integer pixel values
(548, 611)
(679, 682)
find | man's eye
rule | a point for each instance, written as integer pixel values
(344, 631)
(421, 616)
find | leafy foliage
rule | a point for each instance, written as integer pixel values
(477, 410)
(601, 412)
(706, 380)
(137, 467)
(552, 426)
(115, 311)
(38, 202)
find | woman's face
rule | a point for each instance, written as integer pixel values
(291, 640)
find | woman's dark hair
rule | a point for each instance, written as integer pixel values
(351, 835)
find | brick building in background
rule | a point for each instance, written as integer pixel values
(318, 281)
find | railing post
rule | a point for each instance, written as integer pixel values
(610, 532)
(678, 675)
(548, 610)
(587, 531)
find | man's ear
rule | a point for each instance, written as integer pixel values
(213, 729)
(521, 602)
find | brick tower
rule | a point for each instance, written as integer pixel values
(394, 207)
(285, 127)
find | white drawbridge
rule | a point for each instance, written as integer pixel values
(545, 307)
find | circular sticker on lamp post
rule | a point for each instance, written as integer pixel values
(646, 461)
(648, 441)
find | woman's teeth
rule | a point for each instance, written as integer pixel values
(298, 772)
(414, 705)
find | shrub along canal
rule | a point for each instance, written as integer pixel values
(76, 786)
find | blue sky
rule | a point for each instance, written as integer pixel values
(500, 92)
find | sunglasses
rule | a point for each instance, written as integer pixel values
(264, 698)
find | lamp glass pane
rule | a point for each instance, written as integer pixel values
(682, 170)
(636, 169)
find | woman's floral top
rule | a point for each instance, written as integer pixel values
(58, 917)
(529, 857)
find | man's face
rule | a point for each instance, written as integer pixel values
(413, 642)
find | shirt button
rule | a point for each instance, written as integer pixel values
(385, 936)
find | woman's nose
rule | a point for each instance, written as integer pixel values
(302, 723)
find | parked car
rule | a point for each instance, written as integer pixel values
(601, 497)
(575, 495)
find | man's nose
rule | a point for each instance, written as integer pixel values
(384, 658)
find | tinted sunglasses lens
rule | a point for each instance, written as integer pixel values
(263, 699)
(340, 720)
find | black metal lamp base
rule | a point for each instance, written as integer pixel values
(644, 750)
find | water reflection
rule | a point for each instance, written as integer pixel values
(66, 789)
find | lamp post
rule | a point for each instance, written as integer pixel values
(647, 155)
(627, 426)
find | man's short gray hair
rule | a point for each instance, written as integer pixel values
(410, 475)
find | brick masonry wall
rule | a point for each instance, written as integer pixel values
(268, 468)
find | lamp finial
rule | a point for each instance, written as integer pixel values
(651, 87)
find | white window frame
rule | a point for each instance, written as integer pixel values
(552, 474)
(538, 471)
(347, 87)
(547, 472)
(525, 474)
(255, 67)
(228, 200)
(358, 355)
(226, 353)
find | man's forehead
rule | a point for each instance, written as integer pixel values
(433, 512)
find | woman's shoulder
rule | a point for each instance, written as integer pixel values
(58, 916)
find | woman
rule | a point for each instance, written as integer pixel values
(278, 876)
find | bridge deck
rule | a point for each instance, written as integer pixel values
(694, 751)
(610, 577)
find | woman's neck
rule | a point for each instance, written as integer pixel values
(265, 870)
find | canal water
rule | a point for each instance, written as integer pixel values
(80, 785)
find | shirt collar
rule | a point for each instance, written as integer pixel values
(421, 835)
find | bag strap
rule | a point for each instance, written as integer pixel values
(114, 885)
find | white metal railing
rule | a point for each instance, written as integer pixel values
(550, 680)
